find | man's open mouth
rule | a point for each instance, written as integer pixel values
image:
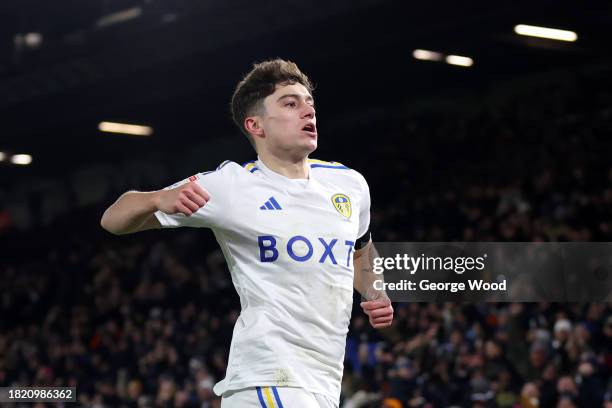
(310, 128)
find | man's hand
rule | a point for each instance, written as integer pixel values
(186, 199)
(380, 312)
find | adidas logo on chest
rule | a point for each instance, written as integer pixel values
(271, 205)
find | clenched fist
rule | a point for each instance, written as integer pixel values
(379, 311)
(185, 199)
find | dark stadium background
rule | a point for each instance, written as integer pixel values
(515, 148)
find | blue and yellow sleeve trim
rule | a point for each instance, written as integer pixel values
(250, 166)
(314, 163)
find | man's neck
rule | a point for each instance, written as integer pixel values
(288, 167)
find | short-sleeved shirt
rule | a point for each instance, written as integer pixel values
(289, 246)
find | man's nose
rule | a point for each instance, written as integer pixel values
(309, 111)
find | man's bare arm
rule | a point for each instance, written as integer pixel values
(364, 278)
(134, 211)
(376, 303)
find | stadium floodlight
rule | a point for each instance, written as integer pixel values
(543, 32)
(119, 17)
(33, 40)
(21, 159)
(28, 40)
(459, 60)
(136, 130)
(426, 55)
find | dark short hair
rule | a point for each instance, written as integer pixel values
(260, 82)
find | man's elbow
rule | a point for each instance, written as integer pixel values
(106, 224)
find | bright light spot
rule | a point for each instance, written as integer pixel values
(21, 159)
(119, 17)
(33, 40)
(136, 130)
(28, 40)
(2, 156)
(543, 32)
(459, 60)
(427, 55)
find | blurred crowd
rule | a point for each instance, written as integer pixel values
(137, 322)
(530, 166)
(146, 320)
(484, 355)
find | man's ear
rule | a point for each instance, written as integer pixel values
(253, 125)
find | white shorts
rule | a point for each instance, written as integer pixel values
(275, 397)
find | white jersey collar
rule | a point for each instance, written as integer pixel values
(280, 178)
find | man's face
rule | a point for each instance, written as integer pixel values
(289, 121)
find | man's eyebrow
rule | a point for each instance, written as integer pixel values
(308, 98)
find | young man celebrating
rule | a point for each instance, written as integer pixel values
(294, 232)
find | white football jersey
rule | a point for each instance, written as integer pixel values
(289, 245)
